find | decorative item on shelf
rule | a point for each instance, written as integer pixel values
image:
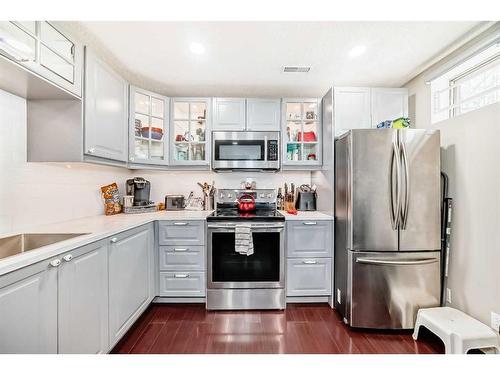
(310, 115)
(293, 151)
(111, 198)
(399, 123)
(197, 151)
(311, 156)
(306, 137)
(179, 138)
(151, 132)
(138, 127)
(201, 134)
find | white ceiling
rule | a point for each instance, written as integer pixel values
(246, 58)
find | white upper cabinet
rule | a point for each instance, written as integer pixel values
(263, 114)
(388, 104)
(229, 114)
(352, 108)
(148, 133)
(106, 111)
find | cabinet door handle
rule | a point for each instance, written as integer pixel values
(131, 158)
(55, 263)
(91, 150)
(309, 261)
(309, 223)
(181, 275)
(67, 258)
(113, 240)
(179, 249)
(181, 223)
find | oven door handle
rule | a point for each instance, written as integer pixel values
(232, 227)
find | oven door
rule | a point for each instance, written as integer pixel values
(227, 269)
(243, 150)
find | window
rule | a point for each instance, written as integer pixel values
(469, 85)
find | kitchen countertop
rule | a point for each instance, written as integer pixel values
(97, 227)
(100, 227)
(307, 215)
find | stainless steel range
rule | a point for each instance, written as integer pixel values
(238, 281)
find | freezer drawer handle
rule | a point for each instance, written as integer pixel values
(408, 262)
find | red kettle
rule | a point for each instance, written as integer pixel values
(246, 203)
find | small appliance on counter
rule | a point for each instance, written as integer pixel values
(140, 189)
(174, 202)
(306, 198)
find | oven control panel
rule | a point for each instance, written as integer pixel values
(232, 195)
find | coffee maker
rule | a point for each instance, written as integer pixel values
(140, 189)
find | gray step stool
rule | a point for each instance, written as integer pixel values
(459, 331)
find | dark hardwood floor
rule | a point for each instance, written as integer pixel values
(301, 328)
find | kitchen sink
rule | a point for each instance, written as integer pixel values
(21, 243)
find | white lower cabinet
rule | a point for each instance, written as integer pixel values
(131, 284)
(28, 310)
(182, 284)
(309, 277)
(83, 300)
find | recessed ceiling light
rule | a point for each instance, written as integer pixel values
(196, 48)
(357, 51)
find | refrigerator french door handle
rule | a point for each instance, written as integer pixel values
(406, 204)
(395, 213)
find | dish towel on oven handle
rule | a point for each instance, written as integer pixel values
(243, 240)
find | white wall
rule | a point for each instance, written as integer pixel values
(33, 194)
(471, 158)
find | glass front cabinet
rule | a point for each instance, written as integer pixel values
(301, 133)
(149, 131)
(190, 128)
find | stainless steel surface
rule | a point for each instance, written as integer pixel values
(387, 289)
(406, 169)
(245, 299)
(395, 182)
(229, 227)
(20, 243)
(232, 195)
(370, 156)
(423, 218)
(246, 164)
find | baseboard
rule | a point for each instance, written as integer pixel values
(179, 300)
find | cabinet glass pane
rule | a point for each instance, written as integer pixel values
(141, 149)
(310, 152)
(181, 129)
(293, 111)
(181, 110)
(293, 152)
(198, 131)
(181, 151)
(310, 133)
(158, 124)
(142, 123)
(16, 42)
(198, 111)
(28, 25)
(141, 103)
(157, 108)
(157, 149)
(57, 64)
(293, 131)
(56, 41)
(197, 151)
(310, 111)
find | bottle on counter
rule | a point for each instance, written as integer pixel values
(279, 200)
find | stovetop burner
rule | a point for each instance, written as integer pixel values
(234, 214)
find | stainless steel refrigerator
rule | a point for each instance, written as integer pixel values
(387, 228)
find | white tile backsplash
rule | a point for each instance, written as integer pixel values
(41, 193)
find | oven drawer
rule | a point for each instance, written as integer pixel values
(182, 284)
(309, 238)
(309, 277)
(181, 232)
(184, 258)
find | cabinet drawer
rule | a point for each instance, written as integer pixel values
(309, 277)
(309, 238)
(182, 258)
(182, 284)
(182, 232)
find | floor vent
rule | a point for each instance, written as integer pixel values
(296, 69)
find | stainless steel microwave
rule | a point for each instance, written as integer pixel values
(245, 150)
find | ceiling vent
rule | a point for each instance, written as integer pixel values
(296, 69)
